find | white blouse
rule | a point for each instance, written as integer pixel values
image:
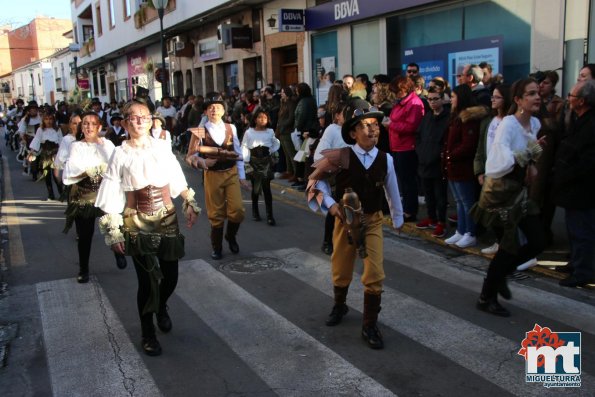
(253, 138)
(491, 135)
(156, 132)
(43, 135)
(331, 139)
(510, 137)
(64, 151)
(84, 155)
(132, 168)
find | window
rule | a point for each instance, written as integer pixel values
(112, 14)
(102, 84)
(87, 32)
(95, 83)
(98, 19)
(127, 10)
(256, 25)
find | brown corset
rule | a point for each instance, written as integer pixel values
(149, 199)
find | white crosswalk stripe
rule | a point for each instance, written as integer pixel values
(88, 348)
(473, 347)
(290, 361)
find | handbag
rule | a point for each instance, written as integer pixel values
(296, 139)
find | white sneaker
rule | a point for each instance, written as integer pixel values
(492, 249)
(454, 238)
(467, 241)
(526, 265)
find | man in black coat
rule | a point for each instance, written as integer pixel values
(574, 184)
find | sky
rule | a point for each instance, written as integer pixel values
(26, 10)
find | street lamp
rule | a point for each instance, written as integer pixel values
(161, 5)
(32, 85)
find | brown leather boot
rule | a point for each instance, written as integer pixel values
(217, 242)
(340, 308)
(370, 331)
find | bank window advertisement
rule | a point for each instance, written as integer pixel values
(447, 58)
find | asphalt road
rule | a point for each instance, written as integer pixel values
(252, 324)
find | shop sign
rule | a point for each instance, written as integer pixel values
(83, 83)
(209, 50)
(241, 37)
(344, 11)
(291, 20)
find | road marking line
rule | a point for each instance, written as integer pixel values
(289, 360)
(481, 351)
(11, 213)
(88, 350)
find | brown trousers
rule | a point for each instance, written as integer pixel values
(223, 197)
(344, 255)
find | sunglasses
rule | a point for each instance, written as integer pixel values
(360, 112)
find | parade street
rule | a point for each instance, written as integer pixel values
(253, 323)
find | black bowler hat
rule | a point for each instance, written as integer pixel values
(115, 116)
(215, 100)
(354, 116)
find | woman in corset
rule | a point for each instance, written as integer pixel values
(142, 178)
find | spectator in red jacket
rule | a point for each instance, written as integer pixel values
(458, 156)
(405, 118)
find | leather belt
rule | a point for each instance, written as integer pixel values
(149, 199)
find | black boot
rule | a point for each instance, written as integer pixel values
(83, 276)
(149, 342)
(163, 320)
(488, 301)
(230, 236)
(216, 242)
(269, 207)
(340, 308)
(121, 261)
(255, 213)
(370, 331)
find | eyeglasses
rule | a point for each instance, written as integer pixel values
(573, 96)
(139, 119)
(434, 99)
(360, 112)
(411, 71)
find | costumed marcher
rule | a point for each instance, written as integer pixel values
(504, 201)
(83, 171)
(158, 130)
(96, 107)
(215, 149)
(259, 145)
(27, 128)
(44, 147)
(369, 173)
(116, 133)
(64, 150)
(574, 188)
(142, 178)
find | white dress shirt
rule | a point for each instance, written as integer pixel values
(84, 155)
(391, 188)
(64, 151)
(217, 132)
(43, 135)
(331, 139)
(253, 138)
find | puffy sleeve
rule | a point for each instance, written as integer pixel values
(247, 145)
(110, 197)
(63, 153)
(36, 142)
(501, 157)
(238, 149)
(275, 143)
(178, 182)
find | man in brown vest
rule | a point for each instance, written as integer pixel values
(215, 148)
(369, 173)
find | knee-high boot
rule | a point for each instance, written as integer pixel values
(268, 201)
(230, 236)
(488, 300)
(370, 331)
(217, 242)
(255, 212)
(340, 308)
